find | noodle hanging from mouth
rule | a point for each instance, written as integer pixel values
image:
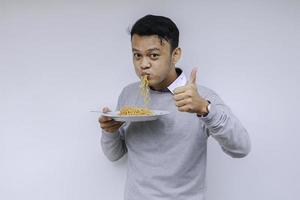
(144, 85)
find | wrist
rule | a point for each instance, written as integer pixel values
(205, 110)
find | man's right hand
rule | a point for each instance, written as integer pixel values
(108, 124)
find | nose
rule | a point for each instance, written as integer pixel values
(145, 64)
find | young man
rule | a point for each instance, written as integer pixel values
(167, 157)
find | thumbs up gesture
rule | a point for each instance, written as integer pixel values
(187, 98)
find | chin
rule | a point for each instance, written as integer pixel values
(152, 83)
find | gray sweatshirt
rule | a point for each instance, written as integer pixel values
(167, 157)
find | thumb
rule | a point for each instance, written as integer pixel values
(106, 109)
(193, 75)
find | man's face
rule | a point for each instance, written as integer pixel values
(152, 56)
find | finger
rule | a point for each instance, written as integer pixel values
(185, 108)
(113, 127)
(106, 109)
(193, 75)
(109, 124)
(103, 119)
(179, 90)
(181, 103)
(180, 96)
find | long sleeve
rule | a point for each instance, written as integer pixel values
(113, 144)
(227, 129)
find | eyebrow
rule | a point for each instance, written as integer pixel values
(148, 50)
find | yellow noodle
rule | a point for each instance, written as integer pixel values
(144, 85)
(128, 110)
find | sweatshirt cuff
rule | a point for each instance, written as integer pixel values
(208, 119)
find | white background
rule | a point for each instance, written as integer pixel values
(60, 59)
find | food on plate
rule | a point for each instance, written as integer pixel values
(129, 110)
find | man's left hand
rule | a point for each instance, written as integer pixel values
(187, 98)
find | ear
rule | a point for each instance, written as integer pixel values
(176, 55)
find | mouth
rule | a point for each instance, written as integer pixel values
(145, 74)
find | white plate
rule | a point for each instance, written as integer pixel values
(134, 118)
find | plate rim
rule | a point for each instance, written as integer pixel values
(115, 114)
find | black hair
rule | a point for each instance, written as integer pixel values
(161, 26)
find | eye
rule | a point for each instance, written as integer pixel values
(137, 56)
(154, 56)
